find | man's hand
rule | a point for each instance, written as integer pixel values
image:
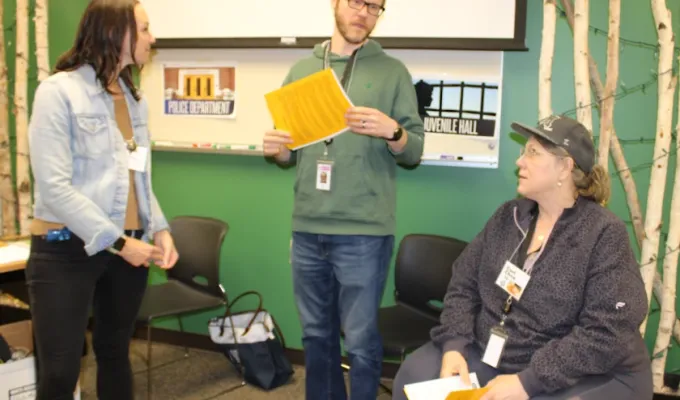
(137, 253)
(163, 239)
(274, 145)
(505, 387)
(453, 363)
(371, 122)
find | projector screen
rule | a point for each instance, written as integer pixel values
(422, 24)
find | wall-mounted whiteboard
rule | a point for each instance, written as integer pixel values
(236, 116)
(431, 24)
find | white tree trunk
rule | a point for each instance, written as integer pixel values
(670, 278)
(607, 104)
(581, 73)
(21, 113)
(546, 59)
(657, 181)
(41, 42)
(7, 195)
(629, 186)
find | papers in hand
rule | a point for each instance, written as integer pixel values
(15, 252)
(311, 109)
(451, 388)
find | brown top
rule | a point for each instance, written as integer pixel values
(132, 220)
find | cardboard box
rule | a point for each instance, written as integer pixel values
(17, 378)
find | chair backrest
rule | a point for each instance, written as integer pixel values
(423, 270)
(199, 243)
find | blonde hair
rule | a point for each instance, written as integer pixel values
(594, 186)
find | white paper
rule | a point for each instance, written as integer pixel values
(14, 252)
(438, 389)
(137, 159)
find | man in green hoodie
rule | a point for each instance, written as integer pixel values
(345, 201)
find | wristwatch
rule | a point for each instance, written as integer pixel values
(397, 134)
(117, 245)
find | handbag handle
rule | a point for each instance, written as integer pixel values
(228, 313)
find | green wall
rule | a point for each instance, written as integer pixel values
(255, 197)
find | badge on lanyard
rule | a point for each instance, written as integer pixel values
(495, 346)
(324, 173)
(513, 280)
(137, 159)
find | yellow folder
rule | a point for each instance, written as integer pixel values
(311, 109)
(471, 394)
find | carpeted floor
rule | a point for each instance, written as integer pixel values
(202, 375)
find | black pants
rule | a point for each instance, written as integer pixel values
(64, 286)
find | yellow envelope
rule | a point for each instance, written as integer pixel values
(311, 109)
(471, 394)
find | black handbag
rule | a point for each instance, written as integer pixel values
(254, 344)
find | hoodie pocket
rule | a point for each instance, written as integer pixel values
(355, 197)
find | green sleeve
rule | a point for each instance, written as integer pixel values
(405, 112)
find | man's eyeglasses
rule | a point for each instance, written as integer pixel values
(373, 8)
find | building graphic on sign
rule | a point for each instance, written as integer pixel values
(199, 90)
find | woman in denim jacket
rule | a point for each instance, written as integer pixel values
(95, 209)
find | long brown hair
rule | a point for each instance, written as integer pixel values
(99, 42)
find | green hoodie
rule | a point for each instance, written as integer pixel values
(362, 199)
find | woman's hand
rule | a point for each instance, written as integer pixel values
(453, 363)
(137, 253)
(163, 239)
(505, 387)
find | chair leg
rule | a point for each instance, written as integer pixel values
(181, 328)
(148, 360)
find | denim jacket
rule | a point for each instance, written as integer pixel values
(80, 160)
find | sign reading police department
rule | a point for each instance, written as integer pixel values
(199, 90)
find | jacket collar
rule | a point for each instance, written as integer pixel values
(526, 209)
(92, 85)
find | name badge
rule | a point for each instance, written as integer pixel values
(513, 280)
(324, 173)
(495, 346)
(137, 159)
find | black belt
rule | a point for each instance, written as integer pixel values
(134, 233)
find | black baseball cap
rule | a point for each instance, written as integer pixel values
(566, 133)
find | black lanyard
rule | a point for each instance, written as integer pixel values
(521, 259)
(345, 81)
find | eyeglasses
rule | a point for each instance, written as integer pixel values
(373, 8)
(530, 152)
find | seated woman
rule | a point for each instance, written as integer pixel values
(546, 302)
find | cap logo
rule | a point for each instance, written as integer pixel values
(566, 142)
(547, 123)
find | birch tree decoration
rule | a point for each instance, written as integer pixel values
(21, 117)
(657, 181)
(607, 118)
(41, 42)
(670, 278)
(7, 198)
(546, 60)
(629, 186)
(581, 74)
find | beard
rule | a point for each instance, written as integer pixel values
(352, 34)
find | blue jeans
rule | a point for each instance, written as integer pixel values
(339, 282)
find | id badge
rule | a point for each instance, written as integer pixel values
(137, 159)
(495, 346)
(513, 280)
(324, 173)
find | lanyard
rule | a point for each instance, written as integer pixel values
(521, 259)
(346, 80)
